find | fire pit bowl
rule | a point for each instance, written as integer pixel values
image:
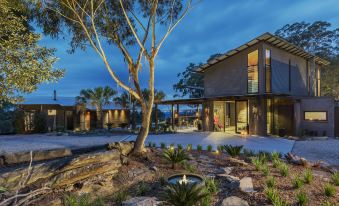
(185, 178)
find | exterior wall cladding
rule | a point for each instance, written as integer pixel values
(229, 78)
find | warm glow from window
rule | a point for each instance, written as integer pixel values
(253, 72)
(51, 112)
(315, 116)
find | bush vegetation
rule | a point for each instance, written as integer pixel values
(189, 147)
(270, 182)
(142, 189)
(179, 146)
(175, 156)
(233, 151)
(209, 148)
(335, 178)
(297, 182)
(302, 198)
(265, 170)
(120, 196)
(81, 200)
(274, 197)
(162, 145)
(329, 190)
(199, 148)
(308, 176)
(283, 169)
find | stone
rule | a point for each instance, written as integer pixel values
(154, 168)
(237, 161)
(246, 185)
(224, 170)
(21, 157)
(124, 147)
(234, 201)
(232, 181)
(140, 201)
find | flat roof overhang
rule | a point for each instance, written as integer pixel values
(216, 98)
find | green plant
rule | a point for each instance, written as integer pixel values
(329, 190)
(2, 189)
(172, 145)
(175, 156)
(274, 197)
(297, 182)
(209, 148)
(308, 176)
(120, 196)
(142, 189)
(81, 200)
(257, 163)
(275, 155)
(179, 146)
(263, 156)
(265, 169)
(302, 198)
(283, 169)
(270, 182)
(335, 178)
(154, 145)
(189, 147)
(149, 144)
(220, 148)
(328, 203)
(109, 125)
(211, 185)
(199, 148)
(276, 163)
(248, 152)
(187, 166)
(183, 194)
(162, 145)
(233, 151)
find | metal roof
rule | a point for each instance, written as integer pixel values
(272, 40)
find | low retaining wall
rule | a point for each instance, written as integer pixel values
(68, 170)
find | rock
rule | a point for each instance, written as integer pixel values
(140, 201)
(212, 176)
(246, 185)
(233, 182)
(124, 147)
(20, 157)
(66, 171)
(234, 201)
(154, 168)
(237, 161)
(224, 170)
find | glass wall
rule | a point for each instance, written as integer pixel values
(219, 115)
(269, 116)
(242, 116)
(253, 72)
(268, 83)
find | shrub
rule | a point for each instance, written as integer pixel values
(149, 144)
(154, 145)
(233, 151)
(199, 148)
(120, 196)
(179, 146)
(265, 169)
(335, 178)
(189, 147)
(257, 163)
(175, 156)
(220, 148)
(274, 197)
(2, 189)
(142, 189)
(183, 194)
(189, 167)
(308, 176)
(209, 148)
(40, 122)
(275, 155)
(297, 182)
(283, 169)
(270, 182)
(263, 156)
(109, 125)
(328, 203)
(162, 145)
(276, 163)
(172, 145)
(329, 190)
(211, 185)
(302, 198)
(248, 153)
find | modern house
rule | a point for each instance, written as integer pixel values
(62, 113)
(266, 86)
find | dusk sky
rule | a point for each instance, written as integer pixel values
(213, 26)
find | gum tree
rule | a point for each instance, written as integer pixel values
(118, 23)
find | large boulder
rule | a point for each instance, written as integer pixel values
(234, 201)
(66, 171)
(246, 185)
(124, 147)
(140, 201)
(21, 157)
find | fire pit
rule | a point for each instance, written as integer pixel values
(185, 178)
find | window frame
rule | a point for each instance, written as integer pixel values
(257, 92)
(308, 120)
(270, 72)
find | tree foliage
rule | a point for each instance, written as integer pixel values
(319, 39)
(190, 82)
(23, 63)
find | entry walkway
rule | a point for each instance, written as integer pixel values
(254, 143)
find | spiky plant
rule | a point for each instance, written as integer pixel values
(211, 185)
(335, 178)
(199, 147)
(275, 155)
(283, 169)
(329, 190)
(179, 146)
(162, 145)
(220, 148)
(189, 147)
(184, 194)
(265, 170)
(297, 182)
(302, 198)
(270, 182)
(233, 151)
(257, 163)
(2, 189)
(81, 200)
(175, 156)
(308, 176)
(209, 148)
(120, 196)
(154, 145)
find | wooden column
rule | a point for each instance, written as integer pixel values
(172, 113)
(156, 118)
(178, 115)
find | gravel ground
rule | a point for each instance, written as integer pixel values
(326, 150)
(18, 143)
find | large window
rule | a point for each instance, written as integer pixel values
(315, 116)
(268, 81)
(252, 72)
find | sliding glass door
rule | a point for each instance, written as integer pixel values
(241, 108)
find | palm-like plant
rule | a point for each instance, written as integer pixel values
(97, 97)
(233, 151)
(184, 194)
(175, 156)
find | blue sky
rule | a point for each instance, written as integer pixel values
(213, 26)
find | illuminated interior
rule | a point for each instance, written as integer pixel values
(315, 116)
(253, 72)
